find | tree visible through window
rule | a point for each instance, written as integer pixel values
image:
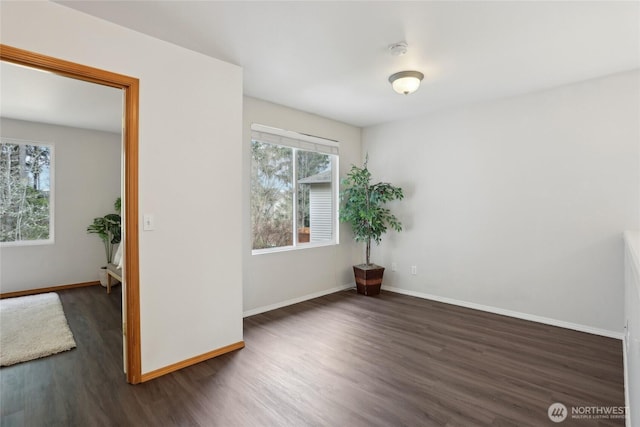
(271, 195)
(292, 195)
(25, 191)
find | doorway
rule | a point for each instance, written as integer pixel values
(130, 88)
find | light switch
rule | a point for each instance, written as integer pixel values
(148, 222)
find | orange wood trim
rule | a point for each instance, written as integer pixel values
(131, 255)
(62, 67)
(130, 86)
(192, 361)
(47, 289)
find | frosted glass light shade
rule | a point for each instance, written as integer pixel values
(406, 82)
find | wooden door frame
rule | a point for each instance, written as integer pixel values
(130, 86)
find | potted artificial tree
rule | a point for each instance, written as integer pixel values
(108, 228)
(363, 209)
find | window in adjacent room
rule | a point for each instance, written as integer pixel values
(26, 192)
(293, 190)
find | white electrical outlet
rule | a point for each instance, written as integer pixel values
(394, 266)
(414, 270)
(627, 335)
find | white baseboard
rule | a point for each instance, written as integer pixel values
(481, 307)
(510, 313)
(627, 403)
(296, 300)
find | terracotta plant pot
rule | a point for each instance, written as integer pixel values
(368, 278)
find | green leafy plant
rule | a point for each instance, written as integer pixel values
(109, 229)
(363, 206)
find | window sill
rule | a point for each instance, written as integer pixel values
(301, 246)
(26, 243)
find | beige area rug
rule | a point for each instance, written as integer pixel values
(32, 327)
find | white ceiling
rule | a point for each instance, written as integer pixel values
(331, 58)
(38, 96)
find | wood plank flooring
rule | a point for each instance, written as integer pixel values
(338, 360)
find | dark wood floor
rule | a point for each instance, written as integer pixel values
(339, 360)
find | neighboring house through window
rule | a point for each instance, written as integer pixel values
(293, 189)
(26, 192)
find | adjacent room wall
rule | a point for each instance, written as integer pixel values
(190, 177)
(87, 182)
(280, 278)
(518, 204)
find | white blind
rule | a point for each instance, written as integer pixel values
(293, 139)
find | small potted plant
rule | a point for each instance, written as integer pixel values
(363, 208)
(108, 228)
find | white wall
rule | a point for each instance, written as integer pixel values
(189, 174)
(279, 278)
(87, 182)
(518, 204)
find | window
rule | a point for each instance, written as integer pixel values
(293, 189)
(26, 199)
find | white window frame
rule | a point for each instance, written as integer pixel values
(299, 141)
(51, 239)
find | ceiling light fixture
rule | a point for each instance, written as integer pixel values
(406, 82)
